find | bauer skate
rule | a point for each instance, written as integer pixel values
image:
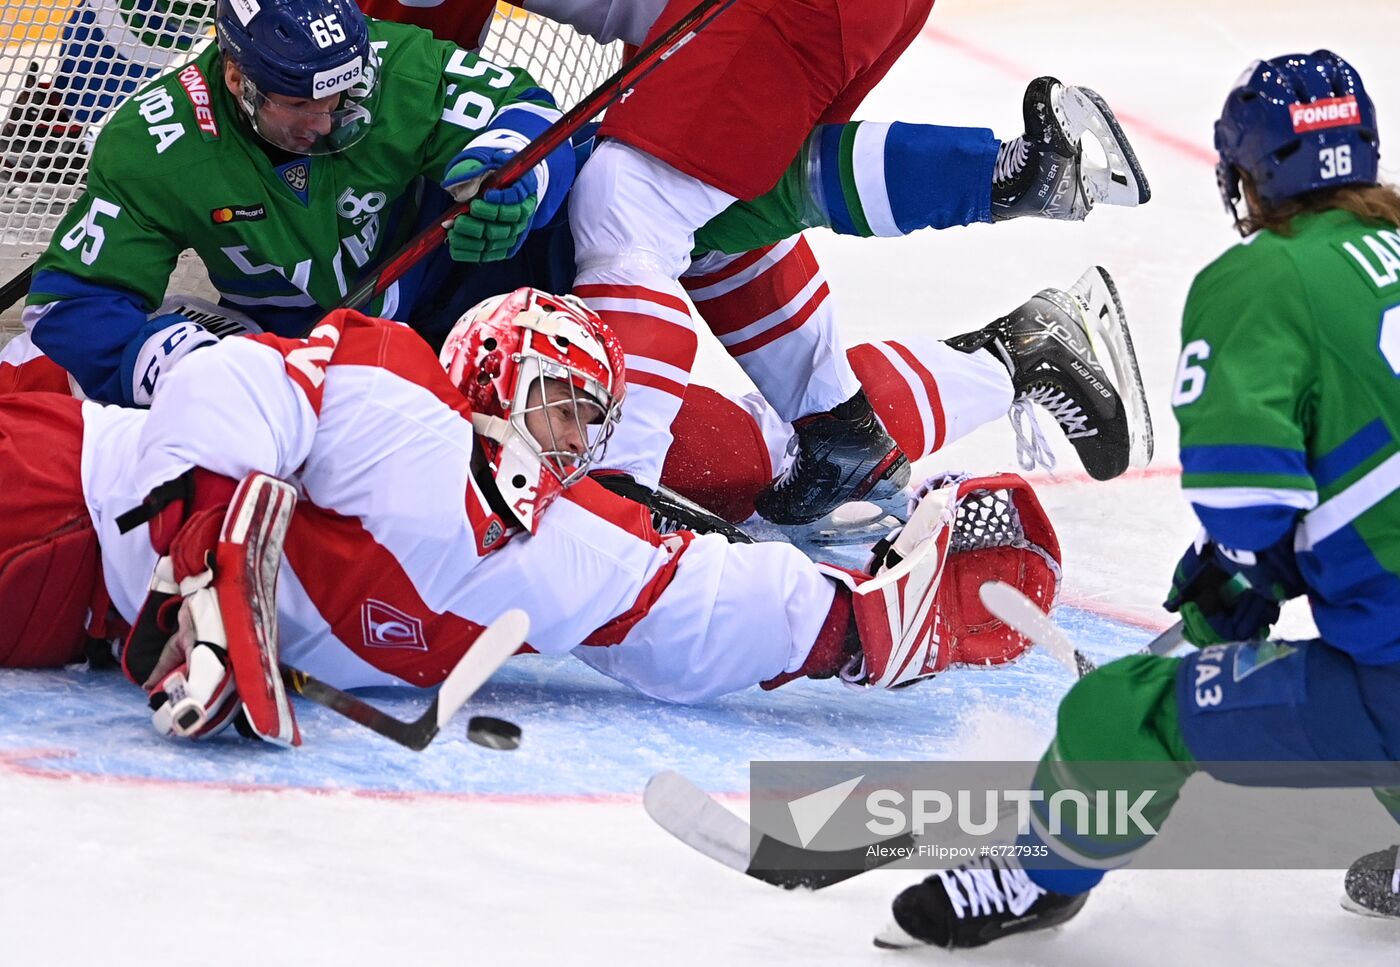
(1373, 885)
(841, 455)
(1045, 173)
(981, 901)
(1071, 353)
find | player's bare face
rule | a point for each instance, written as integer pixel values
(558, 419)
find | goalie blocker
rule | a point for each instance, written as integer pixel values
(204, 645)
(918, 612)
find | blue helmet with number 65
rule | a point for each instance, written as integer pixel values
(1295, 124)
(314, 54)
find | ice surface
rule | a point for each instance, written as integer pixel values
(122, 849)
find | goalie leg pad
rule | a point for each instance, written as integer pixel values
(45, 588)
(247, 559)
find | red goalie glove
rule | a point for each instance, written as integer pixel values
(920, 613)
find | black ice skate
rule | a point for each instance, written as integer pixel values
(841, 455)
(1071, 353)
(981, 901)
(1373, 885)
(1045, 173)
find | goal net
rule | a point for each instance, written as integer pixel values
(65, 65)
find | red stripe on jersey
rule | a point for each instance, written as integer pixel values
(606, 290)
(762, 295)
(351, 579)
(658, 339)
(635, 377)
(635, 519)
(891, 397)
(777, 332)
(935, 399)
(729, 271)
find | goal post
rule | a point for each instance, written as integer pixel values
(65, 65)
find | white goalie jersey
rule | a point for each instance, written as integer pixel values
(395, 559)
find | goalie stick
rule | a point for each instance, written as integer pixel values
(492, 647)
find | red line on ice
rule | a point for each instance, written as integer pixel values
(1136, 125)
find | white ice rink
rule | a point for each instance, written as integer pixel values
(143, 854)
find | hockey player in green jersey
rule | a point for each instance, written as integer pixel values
(1287, 401)
(287, 156)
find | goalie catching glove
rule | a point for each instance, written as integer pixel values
(918, 612)
(204, 644)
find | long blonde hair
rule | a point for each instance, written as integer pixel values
(1374, 203)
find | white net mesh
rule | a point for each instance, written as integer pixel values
(986, 518)
(66, 64)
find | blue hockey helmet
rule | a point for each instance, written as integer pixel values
(1296, 124)
(304, 50)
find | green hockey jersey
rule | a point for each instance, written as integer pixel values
(178, 167)
(1288, 399)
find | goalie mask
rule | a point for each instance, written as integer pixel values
(545, 380)
(309, 75)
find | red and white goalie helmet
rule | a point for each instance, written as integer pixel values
(545, 379)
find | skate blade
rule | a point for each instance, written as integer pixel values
(854, 522)
(1351, 906)
(1121, 181)
(1114, 346)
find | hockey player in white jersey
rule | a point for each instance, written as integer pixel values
(432, 496)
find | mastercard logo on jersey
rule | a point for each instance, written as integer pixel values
(1332, 112)
(238, 213)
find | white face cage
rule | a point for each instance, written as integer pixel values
(561, 400)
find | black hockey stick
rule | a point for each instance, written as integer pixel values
(17, 288)
(488, 652)
(689, 813)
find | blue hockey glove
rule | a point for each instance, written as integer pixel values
(1227, 595)
(497, 222)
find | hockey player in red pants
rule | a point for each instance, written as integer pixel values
(766, 90)
(433, 494)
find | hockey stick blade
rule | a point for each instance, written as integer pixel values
(492, 647)
(688, 813)
(1021, 613)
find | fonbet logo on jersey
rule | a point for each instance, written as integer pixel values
(197, 90)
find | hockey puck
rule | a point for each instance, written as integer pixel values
(493, 733)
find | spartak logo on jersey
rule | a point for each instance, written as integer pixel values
(385, 626)
(1332, 112)
(197, 90)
